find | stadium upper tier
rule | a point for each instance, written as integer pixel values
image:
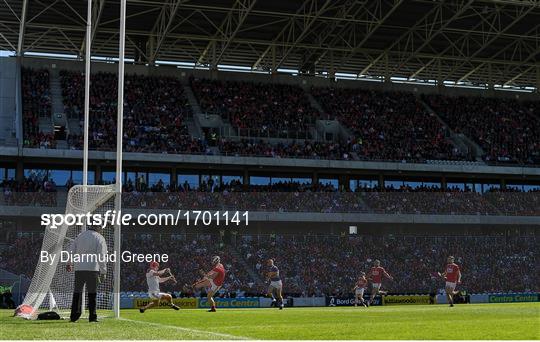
(160, 117)
(322, 264)
(166, 115)
(388, 125)
(507, 130)
(258, 109)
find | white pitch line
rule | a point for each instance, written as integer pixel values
(195, 331)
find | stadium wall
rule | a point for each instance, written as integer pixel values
(73, 156)
(311, 217)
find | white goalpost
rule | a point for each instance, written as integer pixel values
(52, 285)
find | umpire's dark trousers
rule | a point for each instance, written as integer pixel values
(91, 279)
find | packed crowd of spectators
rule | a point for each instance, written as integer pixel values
(329, 265)
(293, 196)
(384, 125)
(312, 265)
(36, 103)
(257, 109)
(22, 255)
(512, 202)
(388, 125)
(308, 149)
(31, 191)
(506, 129)
(155, 110)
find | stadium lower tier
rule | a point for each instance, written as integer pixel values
(314, 265)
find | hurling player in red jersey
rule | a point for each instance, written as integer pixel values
(452, 275)
(376, 274)
(359, 288)
(212, 281)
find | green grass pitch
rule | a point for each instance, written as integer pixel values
(471, 321)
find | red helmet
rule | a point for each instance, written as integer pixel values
(154, 265)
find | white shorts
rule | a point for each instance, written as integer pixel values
(278, 284)
(213, 287)
(156, 295)
(359, 292)
(376, 286)
(450, 285)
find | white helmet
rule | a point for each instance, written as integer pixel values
(216, 260)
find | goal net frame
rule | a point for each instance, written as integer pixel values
(52, 285)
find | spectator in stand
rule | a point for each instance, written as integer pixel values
(293, 196)
(328, 265)
(31, 191)
(506, 129)
(315, 265)
(36, 103)
(154, 114)
(388, 125)
(263, 109)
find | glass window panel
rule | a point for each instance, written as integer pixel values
(329, 181)
(77, 177)
(10, 173)
(229, 179)
(459, 186)
(60, 177)
(155, 177)
(192, 180)
(108, 177)
(257, 180)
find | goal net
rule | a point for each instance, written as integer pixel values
(52, 285)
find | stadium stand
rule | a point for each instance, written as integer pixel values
(155, 112)
(293, 197)
(388, 125)
(326, 264)
(36, 103)
(507, 130)
(258, 109)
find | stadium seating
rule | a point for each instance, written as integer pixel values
(155, 110)
(314, 265)
(258, 109)
(507, 130)
(387, 125)
(294, 197)
(325, 264)
(36, 103)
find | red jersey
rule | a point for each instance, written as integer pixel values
(361, 283)
(220, 277)
(377, 274)
(452, 272)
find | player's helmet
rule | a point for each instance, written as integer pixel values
(154, 265)
(216, 260)
(377, 263)
(362, 274)
(450, 259)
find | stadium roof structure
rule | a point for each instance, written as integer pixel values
(490, 43)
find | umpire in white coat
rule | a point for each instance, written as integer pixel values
(89, 270)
